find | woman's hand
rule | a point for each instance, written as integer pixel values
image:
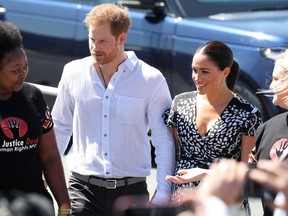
(188, 175)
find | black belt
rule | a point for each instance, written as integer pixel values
(109, 183)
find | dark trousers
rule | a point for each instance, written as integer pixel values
(91, 200)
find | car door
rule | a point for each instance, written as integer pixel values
(46, 24)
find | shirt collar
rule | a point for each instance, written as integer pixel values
(131, 61)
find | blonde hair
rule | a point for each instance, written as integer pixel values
(116, 15)
(282, 60)
(282, 88)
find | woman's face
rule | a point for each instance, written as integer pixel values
(279, 86)
(206, 76)
(13, 72)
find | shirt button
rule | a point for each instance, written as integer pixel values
(105, 116)
(107, 173)
(105, 135)
(106, 97)
(106, 154)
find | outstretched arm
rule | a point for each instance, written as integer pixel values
(273, 175)
(188, 175)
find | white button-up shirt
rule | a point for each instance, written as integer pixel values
(110, 125)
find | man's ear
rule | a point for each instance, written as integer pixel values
(122, 38)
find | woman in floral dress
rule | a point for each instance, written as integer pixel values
(212, 122)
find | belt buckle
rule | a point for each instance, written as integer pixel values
(112, 180)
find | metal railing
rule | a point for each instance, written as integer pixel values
(53, 91)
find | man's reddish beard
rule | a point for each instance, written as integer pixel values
(97, 59)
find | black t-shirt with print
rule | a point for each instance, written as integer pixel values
(272, 139)
(24, 118)
(272, 144)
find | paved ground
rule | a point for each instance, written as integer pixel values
(256, 208)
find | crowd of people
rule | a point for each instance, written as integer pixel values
(109, 101)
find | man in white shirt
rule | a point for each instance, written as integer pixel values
(108, 101)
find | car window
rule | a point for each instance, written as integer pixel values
(200, 8)
(93, 2)
(73, 1)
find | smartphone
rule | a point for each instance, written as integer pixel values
(159, 211)
(132, 205)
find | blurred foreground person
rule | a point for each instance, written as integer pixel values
(28, 145)
(273, 174)
(25, 204)
(219, 192)
(225, 185)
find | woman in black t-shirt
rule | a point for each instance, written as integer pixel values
(27, 141)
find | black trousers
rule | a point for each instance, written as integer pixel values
(90, 200)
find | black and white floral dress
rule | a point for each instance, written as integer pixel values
(222, 140)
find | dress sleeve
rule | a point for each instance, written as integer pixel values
(169, 115)
(253, 122)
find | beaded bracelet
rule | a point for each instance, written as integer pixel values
(64, 211)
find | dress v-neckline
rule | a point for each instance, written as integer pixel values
(212, 125)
